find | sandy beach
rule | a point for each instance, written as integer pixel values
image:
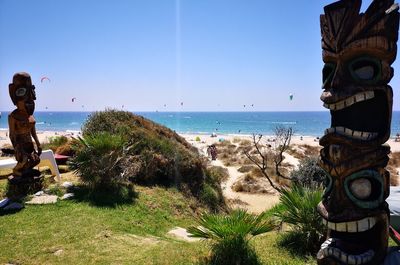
(44, 136)
(205, 140)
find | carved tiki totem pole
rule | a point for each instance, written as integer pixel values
(358, 50)
(22, 129)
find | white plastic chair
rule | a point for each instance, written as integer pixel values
(46, 159)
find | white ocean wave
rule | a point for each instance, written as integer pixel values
(73, 131)
(284, 122)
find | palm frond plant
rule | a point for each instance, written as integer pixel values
(230, 235)
(298, 208)
(97, 160)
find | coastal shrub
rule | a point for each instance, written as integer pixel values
(129, 125)
(217, 174)
(309, 173)
(97, 161)
(210, 192)
(111, 121)
(156, 155)
(55, 142)
(209, 196)
(230, 235)
(298, 208)
(65, 149)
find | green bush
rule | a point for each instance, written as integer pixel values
(55, 142)
(230, 235)
(155, 155)
(210, 196)
(97, 161)
(309, 173)
(298, 208)
(217, 174)
(112, 121)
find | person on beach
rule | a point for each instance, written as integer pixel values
(209, 151)
(213, 152)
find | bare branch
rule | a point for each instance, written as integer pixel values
(282, 143)
(262, 165)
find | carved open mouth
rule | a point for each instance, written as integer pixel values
(363, 116)
(351, 242)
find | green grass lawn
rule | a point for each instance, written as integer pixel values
(71, 232)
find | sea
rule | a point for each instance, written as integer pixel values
(309, 123)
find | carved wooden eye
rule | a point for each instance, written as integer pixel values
(361, 188)
(20, 92)
(365, 69)
(365, 188)
(365, 72)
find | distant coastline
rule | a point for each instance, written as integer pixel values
(305, 123)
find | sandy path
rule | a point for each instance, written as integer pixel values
(255, 203)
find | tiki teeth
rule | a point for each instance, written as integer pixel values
(327, 250)
(362, 96)
(353, 226)
(352, 133)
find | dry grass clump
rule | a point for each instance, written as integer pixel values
(311, 150)
(218, 172)
(252, 184)
(256, 172)
(228, 153)
(244, 143)
(65, 149)
(302, 151)
(246, 168)
(236, 140)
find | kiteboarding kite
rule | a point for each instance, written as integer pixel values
(44, 78)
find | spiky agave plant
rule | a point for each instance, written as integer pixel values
(230, 235)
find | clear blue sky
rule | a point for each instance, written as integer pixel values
(212, 55)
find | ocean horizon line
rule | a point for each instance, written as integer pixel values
(306, 123)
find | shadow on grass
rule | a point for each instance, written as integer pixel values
(9, 212)
(298, 244)
(104, 197)
(231, 251)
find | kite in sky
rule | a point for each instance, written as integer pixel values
(44, 78)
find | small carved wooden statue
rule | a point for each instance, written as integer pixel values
(21, 130)
(358, 50)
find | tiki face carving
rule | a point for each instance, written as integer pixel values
(21, 89)
(355, 212)
(358, 50)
